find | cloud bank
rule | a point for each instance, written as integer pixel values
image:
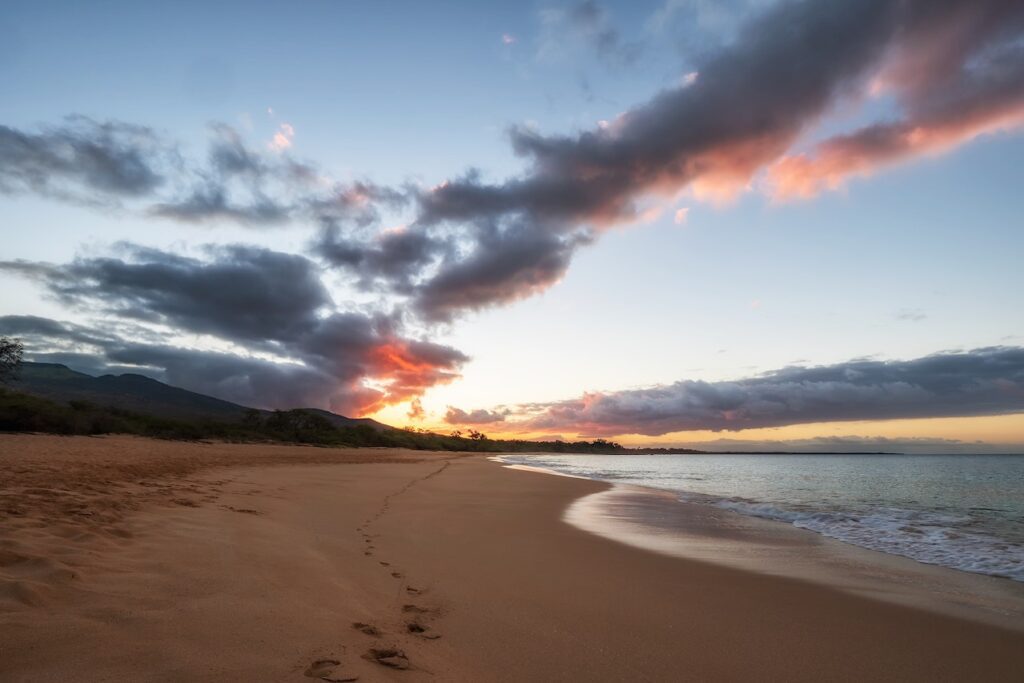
(987, 381)
(284, 341)
(456, 416)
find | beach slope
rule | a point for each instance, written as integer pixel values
(129, 559)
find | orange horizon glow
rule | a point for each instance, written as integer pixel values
(997, 430)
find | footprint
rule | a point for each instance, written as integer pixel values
(245, 511)
(418, 629)
(325, 670)
(389, 657)
(416, 609)
(396, 575)
(385, 564)
(412, 591)
(368, 629)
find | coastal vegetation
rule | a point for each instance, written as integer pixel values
(21, 412)
(49, 398)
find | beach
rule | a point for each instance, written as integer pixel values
(132, 559)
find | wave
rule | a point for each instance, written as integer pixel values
(929, 537)
(950, 539)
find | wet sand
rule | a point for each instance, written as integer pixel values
(129, 559)
(658, 521)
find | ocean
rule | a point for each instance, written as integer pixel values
(965, 512)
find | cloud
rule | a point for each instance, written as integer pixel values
(395, 258)
(291, 345)
(282, 139)
(212, 203)
(239, 184)
(238, 292)
(952, 69)
(754, 100)
(351, 364)
(586, 24)
(116, 164)
(707, 22)
(911, 315)
(83, 161)
(505, 264)
(480, 416)
(987, 381)
(985, 95)
(416, 411)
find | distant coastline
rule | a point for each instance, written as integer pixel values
(694, 451)
(52, 398)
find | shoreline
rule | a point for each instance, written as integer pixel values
(657, 520)
(280, 551)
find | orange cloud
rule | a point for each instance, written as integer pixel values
(401, 371)
(870, 149)
(282, 139)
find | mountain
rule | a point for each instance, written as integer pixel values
(142, 395)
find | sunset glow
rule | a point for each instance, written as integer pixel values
(622, 240)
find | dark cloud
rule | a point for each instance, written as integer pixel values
(113, 163)
(239, 293)
(445, 274)
(988, 381)
(505, 264)
(329, 369)
(457, 416)
(212, 203)
(83, 161)
(34, 327)
(291, 346)
(395, 259)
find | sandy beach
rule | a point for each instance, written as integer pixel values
(131, 559)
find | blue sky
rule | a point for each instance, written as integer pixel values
(921, 257)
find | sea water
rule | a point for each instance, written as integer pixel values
(960, 511)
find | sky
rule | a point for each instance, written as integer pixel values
(677, 222)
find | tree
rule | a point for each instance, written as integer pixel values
(252, 418)
(11, 351)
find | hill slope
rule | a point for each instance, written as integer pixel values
(142, 395)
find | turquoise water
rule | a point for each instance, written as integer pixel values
(959, 511)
